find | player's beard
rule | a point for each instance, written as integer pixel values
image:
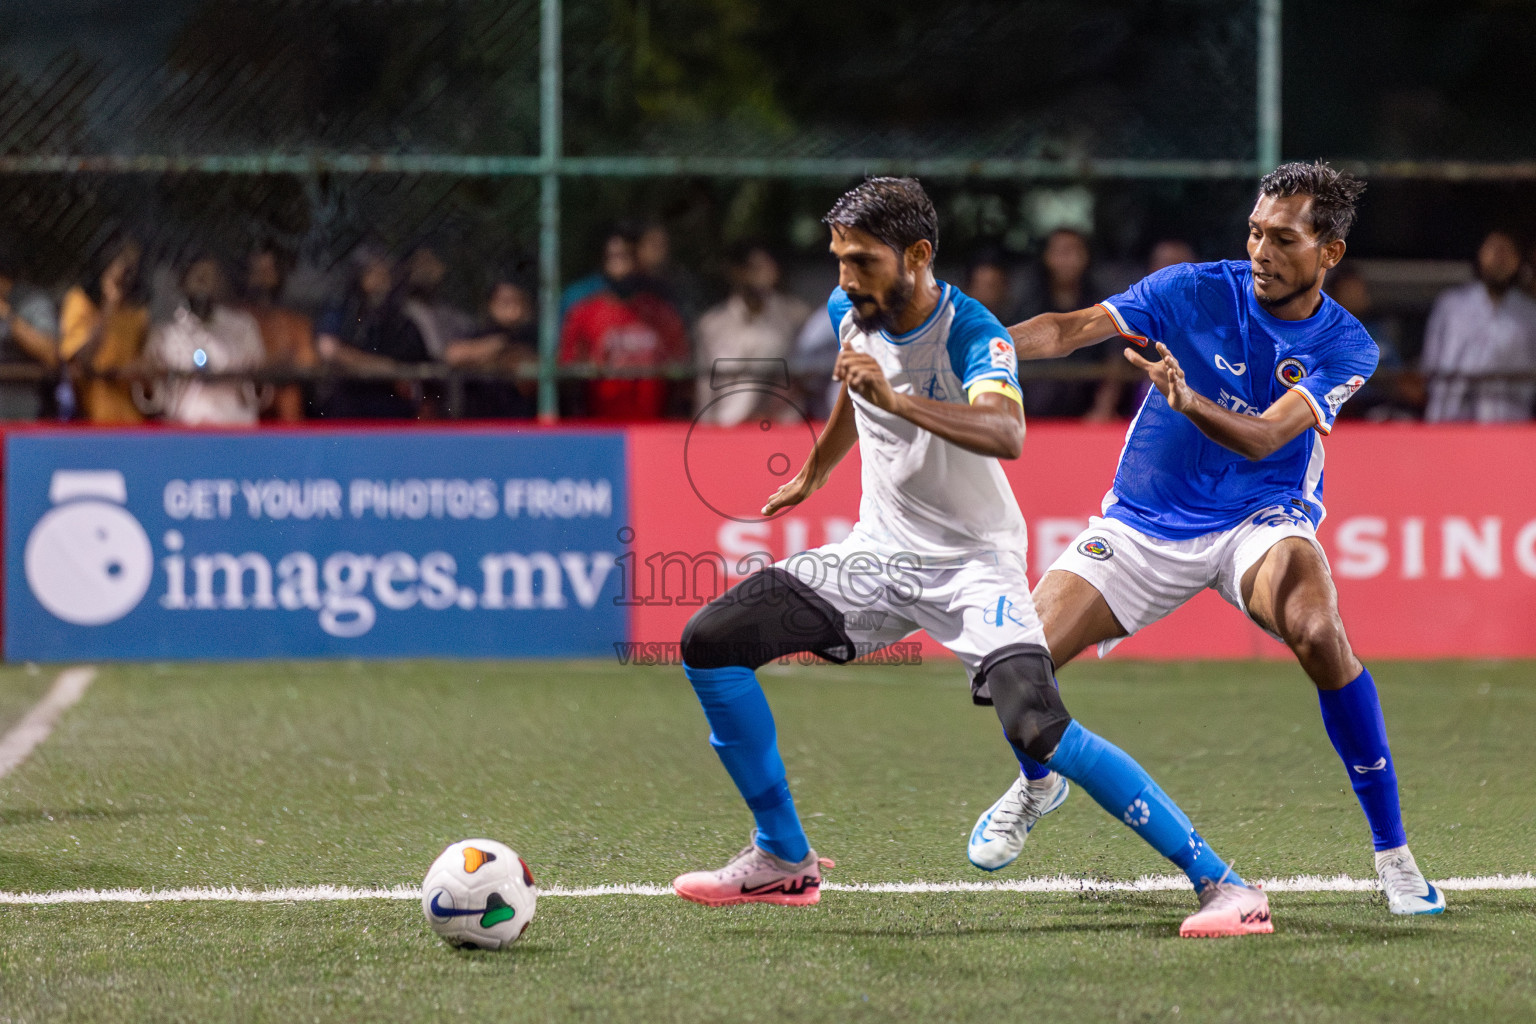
(888, 308)
(1271, 304)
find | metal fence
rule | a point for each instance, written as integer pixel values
(313, 123)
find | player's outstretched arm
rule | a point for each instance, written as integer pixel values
(837, 438)
(991, 425)
(1253, 437)
(1053, 335)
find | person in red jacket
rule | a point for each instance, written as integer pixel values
(627, 328)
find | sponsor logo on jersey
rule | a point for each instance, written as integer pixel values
(1290, 372)
(1097, 548)
(1003, 612)
(1235, 369)
(1282, 515)
(1003, 356)
(1341, 394)
(1227, 400)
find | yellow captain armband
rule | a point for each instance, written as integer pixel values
(999, 387)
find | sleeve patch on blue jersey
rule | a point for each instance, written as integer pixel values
(1343, 393)
(1003, 355)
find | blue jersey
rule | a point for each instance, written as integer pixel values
(1173, 481)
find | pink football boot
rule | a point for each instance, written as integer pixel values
(1228, 908)
(755, 876)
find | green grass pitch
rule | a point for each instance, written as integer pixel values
(269, 775)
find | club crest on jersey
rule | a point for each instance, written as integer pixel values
(1003, 355)
(1096, 548)
(1290, 372)
(1343, 393)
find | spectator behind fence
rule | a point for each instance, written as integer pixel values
(1389, 395)
(1064, 282)
(627, 327)
(1170, 252)
(102, 327)
(287, 335)
(507, 341)
(29, 334)
(368, 331)
(986, 281)
(591, 284)
(653, 262)
(206, 335)
(811, 364)
(1484, 327)
(756, 324)
(438, 322)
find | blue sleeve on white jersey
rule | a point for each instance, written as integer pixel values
(1143, 311)
(839, 305)
(1341, 370)
(979, 346)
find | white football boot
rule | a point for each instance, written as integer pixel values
(999, 835)
(1408, 892)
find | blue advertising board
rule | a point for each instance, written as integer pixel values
(348, 543)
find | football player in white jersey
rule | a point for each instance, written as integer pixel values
(931, 396)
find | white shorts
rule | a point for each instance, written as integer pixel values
(1143, 578)
(973, 607)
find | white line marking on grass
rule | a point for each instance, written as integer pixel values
(23, 738)
(1058, 884)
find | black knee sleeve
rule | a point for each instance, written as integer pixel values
(1020, 680)
(765, 616)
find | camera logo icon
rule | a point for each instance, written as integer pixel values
(733, 473)
(88, 560)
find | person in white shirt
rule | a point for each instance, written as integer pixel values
(1487, 326)
(757, 322)
(205, 335)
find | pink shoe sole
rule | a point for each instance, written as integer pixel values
(803, 899)
(1253, 922)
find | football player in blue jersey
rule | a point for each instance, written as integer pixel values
(1220, 486)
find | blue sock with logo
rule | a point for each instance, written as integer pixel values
(1352, 716)
(1124, 789)
(1031, 768)
(743, 735)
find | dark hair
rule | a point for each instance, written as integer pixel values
(1333, 193)
(895, 210)
(628, 230)
(986, 256)
(116, 244)
(1504, 231)
(740, 252)
(196, 256)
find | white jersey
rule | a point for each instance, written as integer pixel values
(922, 494)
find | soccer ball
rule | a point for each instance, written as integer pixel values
(479, 893)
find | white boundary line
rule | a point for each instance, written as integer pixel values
(23, 737)
(1058, 884)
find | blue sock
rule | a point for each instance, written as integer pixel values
(1352, 716)
(1031, 768)
(743, 735)
(1124, 789)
